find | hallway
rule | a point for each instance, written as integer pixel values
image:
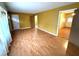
(36, 42)
(65, 32)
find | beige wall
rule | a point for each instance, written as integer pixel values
(24, 20)
(48, 20)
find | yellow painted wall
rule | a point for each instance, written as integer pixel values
(48, 20)
(24, 19)
(62, 20)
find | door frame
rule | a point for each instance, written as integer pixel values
(58, 24)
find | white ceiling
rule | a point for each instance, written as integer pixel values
(34, 7)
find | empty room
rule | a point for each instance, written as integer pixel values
(39, 29)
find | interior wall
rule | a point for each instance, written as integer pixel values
(62, 20)
(24, 20)
(48, 20)
(74, 35)
(32, 21)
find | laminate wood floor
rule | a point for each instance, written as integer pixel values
(34, 42)
(64, 33)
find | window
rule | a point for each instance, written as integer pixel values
(69, 20)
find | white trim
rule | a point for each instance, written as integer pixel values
(25, 28)
(47, 31)
(68, 11)
(21, 28)
(58, 25)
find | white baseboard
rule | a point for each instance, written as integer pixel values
(25, 28)
(47, 32)
(21, 28)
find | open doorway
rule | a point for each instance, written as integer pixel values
(65, 23)
(36, 21)
(15, 20)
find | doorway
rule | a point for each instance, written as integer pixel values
(65, 23)
(15, 20)
(36, 21)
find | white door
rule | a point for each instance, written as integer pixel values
(15, 20)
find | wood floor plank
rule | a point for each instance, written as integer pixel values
(34, 42)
